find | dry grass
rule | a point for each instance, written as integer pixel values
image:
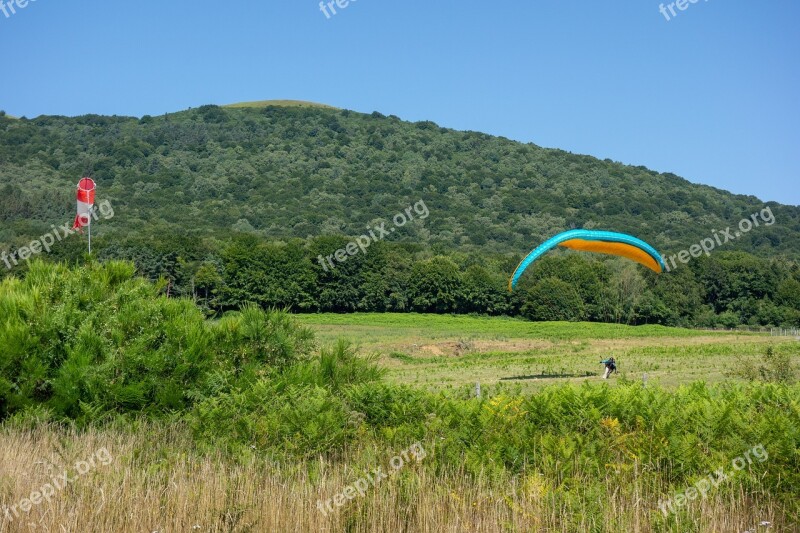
(157, 481)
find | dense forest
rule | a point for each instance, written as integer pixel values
(236, 205)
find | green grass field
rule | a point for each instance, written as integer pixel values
(440, 351)
(280, 103)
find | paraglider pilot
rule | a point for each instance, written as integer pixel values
(611, 367)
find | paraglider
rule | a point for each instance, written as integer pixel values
(604, 242)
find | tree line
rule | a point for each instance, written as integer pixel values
(726, 289)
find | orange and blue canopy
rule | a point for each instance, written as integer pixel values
(604, 242)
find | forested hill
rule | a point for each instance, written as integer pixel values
(284, 172)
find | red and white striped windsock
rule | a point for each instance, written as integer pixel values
(85, 202)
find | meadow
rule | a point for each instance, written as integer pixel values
(439, 352)
(265, 421)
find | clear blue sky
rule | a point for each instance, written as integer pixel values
(712, 95)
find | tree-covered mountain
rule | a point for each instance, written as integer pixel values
(240, 204)
(283, 172)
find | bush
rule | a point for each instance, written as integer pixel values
(774, 368)
(97, 340)
(299, 409)
(272, 415)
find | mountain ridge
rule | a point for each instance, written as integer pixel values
(286, 171)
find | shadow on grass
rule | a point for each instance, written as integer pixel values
(551, 376)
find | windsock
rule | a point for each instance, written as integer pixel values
(85, 203)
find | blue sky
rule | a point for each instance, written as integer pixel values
(711, 95)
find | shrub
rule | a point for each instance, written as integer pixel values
(299, 409)
(774, 368)
(96, 340)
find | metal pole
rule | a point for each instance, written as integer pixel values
(90, 229)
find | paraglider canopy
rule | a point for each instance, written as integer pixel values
(604, 242)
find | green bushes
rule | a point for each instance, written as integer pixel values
(773, 368)
(253, 338)
(299, 409)
(275, 416)
(92, 341)
(591, 436)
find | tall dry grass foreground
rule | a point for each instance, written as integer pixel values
(153, 479)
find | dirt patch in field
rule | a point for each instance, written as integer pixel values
(432, 349)
(446, 349)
